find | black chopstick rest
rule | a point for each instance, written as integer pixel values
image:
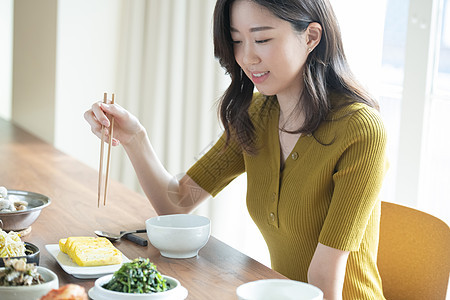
(135, 239)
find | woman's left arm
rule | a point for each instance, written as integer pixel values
(327, 271)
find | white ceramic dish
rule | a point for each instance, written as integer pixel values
(280, 289)
(75, 270)
(33, 291)
(177, 292)
(178, 236)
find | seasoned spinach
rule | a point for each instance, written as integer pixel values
(138, 276)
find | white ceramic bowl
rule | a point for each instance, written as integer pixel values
(32, 291)
(280, 289)
(178, 236)
(177, 292)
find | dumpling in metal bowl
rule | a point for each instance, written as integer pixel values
(6, 205)
(3, 192)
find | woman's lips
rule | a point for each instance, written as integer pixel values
(259, 77)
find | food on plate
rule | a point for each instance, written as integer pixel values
(137, 276)
(66, 245)
(11, 245)
(10, 203)
(67, 292)
(90, 251)
(18, 273)
(6, 205)
(3, 192)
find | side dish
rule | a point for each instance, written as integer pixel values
(68, 291)
(11, 245)
(9, 203)
(90, 251)
(137, 276)
(18, 273)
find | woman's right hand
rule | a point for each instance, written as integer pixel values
(126, 125)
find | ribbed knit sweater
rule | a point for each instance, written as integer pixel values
(327, 191)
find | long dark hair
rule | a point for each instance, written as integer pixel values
(326, 69)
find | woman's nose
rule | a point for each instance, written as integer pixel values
(250, 57)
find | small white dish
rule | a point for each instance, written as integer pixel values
(280, 289)
(70, 267)
(177, 292)
(33, 291)
(180, 235)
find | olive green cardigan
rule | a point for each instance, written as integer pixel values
(327, 191)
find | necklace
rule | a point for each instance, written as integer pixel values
(287, 143)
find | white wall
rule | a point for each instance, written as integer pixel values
(34, 46)
(362, 26)
(65, 58)
(86, 67)
(6, 21)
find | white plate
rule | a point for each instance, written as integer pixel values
(75, 270)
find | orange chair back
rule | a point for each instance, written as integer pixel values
(413, 254)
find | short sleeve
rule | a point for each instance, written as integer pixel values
(357, 181)
(218, 167)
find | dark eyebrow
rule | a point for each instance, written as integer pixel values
(262, 28)
(254, 29)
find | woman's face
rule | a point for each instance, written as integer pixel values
(268, 49)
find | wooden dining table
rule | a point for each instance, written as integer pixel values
(30, 164)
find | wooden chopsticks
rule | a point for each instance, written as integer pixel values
(100, 171)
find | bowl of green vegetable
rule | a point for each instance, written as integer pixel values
(138, 279)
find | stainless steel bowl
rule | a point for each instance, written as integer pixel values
(22, 219)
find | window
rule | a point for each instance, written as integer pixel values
(392, 75)
(437, 164)
(415, 102)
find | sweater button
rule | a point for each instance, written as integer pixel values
(272, 216)
(274, 197)
(294, 156)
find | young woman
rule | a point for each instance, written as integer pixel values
(311, 141)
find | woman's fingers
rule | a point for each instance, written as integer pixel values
(99, 113)
(128, 123)
(97, 120)
(96, 127)
(125, 124)
(115, 142)
(114, 110)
